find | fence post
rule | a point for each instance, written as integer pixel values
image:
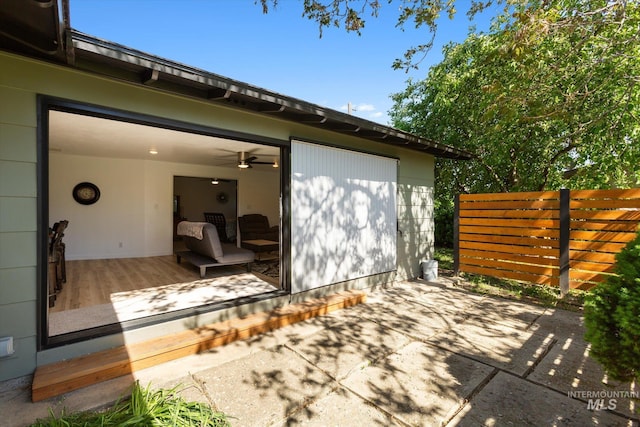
(456, 235)
(565, 225)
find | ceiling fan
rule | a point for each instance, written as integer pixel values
(246, 161)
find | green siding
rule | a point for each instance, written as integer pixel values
(22, 362)
(18, 250)
(18, 320)
(17, 106)
(17, 179)
(17, 285)
(19, 316)
(18, 214)
(20, 82)
(11, 147)
(415, 212)
(18, 225)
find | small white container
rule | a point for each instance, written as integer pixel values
(6, 346)
(429, 269)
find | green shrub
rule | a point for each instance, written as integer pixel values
(612, 317)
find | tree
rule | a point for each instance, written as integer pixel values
(548, 98)
(352, 15)
(549, 93)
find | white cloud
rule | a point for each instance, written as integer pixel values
(365, 107)
(358, 107)
(371, 112)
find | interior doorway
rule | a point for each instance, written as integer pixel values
(196, 196)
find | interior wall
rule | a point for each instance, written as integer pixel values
(198, 195)
(134, 216)
(259, 192)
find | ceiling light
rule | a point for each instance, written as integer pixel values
(243, 165)
(275, 163)
(153, 151)
(215, 181)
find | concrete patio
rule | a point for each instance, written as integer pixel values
(418, 353)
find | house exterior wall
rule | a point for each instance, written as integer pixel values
(22, 79)
(18, 226)
(415, 214)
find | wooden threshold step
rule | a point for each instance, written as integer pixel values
(68, 375)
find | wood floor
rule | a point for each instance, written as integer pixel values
(91, 282)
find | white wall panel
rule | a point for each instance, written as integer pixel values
(134, 216)
(343, 215)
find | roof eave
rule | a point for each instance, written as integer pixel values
(150, 70)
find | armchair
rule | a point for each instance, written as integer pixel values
(256, 226)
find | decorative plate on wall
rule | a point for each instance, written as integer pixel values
(222, 197)
(86, 193)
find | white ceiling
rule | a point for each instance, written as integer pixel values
(92, 136)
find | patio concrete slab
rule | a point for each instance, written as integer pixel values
(436, 355)
(511, 401)
(559, 323)
(265, 387)
(503, 312)
(340, 408)
(500, 346)
(420, 384)
(568, 368)
(347, 345)
(434, 295)
(410, 317)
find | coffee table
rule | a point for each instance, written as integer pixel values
(260, 246)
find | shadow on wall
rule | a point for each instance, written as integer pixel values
(415, 229)
(341, 230)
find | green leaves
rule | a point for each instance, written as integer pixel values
(350, 15)
(612, 317)
(145, 407)
(552, 88)
(548, 98)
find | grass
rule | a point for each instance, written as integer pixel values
(546, 296)
(145, 407)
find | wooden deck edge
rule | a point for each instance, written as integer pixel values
(61, 377)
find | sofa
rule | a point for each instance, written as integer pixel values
(256, 227)
(206, 250)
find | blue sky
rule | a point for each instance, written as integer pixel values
(279, 51)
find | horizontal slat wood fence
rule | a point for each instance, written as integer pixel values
(558, 238)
